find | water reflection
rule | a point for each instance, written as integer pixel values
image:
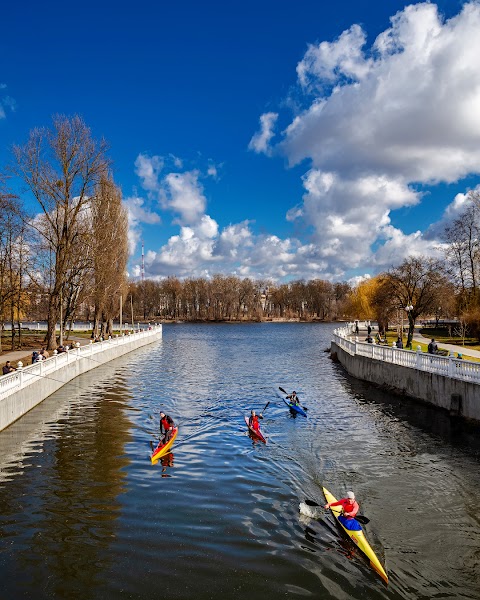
(62, 516)
(84, 513)
(167, 461)
(437, 422)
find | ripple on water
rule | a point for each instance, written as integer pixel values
(85, 514)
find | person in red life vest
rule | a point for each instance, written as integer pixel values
(166, 427)
(349, 509)
(253, 420)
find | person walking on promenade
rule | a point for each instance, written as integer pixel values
(432, 347)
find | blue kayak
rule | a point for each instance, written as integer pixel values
(295, 408)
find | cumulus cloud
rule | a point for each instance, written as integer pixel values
(260, 142)
(183, 194)
(409, 112)
(329, 61)
(453, 211)
(138, 213)
(377, 121)
(148, 169)
(234, 249)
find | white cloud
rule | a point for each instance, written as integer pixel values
(399, 246)
(327, 61)
(212, 171)
(453, 211)
(234, 249)
(260, 142)
(148, 170)
(410, 114)
(377, 122)
(138, 213)
(184, 196)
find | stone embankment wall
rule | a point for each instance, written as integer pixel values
(460, 398)
(22, 390)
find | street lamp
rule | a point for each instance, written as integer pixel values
(438, 315)
(408, 310)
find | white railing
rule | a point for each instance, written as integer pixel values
(24, 376)
(449, 366)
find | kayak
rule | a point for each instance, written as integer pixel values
(162, 449)
(256, 432)
(295, 408)
(357, 537)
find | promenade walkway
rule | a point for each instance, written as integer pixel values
(15, 355)
(417, 337)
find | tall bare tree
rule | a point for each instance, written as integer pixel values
(62, 167)
(110, 253)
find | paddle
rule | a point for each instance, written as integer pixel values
(282, 390)
(359, 518)
(265, 407)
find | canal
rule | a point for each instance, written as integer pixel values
(85, 515)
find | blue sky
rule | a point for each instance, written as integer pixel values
(265, 139)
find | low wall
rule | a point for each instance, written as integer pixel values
(23, 390)
(461, 398)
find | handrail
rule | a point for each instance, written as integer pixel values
(448, 366)
(24, 376)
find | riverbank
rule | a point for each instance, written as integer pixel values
(23, 389)
(448, 383)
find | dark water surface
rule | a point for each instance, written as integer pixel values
(84, 515)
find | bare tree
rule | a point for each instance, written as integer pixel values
(463, 252)
(13, 261)
(62, 167)
(110, 253)
(416, 283)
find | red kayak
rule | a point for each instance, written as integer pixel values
(162, 448)
(256, 432)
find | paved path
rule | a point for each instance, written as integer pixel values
(450, 347)
(418, 337)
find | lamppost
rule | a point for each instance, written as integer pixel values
(438, 315)
(408, 310)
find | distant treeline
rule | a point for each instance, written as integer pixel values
(229, 298)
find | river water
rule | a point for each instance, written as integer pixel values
(85, 515)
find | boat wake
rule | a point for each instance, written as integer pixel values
(312, 512)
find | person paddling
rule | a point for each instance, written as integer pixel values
(350, 508)
(166, 427)
(293, 398)
(253, 420)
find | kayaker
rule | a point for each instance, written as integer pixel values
(253, 420)
(293, 398)
(349, 506)
(166, 427)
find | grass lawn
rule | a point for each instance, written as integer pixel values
(440, 335)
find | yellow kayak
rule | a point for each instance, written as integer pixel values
(162, 449)
(357, 537)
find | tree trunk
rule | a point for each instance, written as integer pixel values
(51, 339)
